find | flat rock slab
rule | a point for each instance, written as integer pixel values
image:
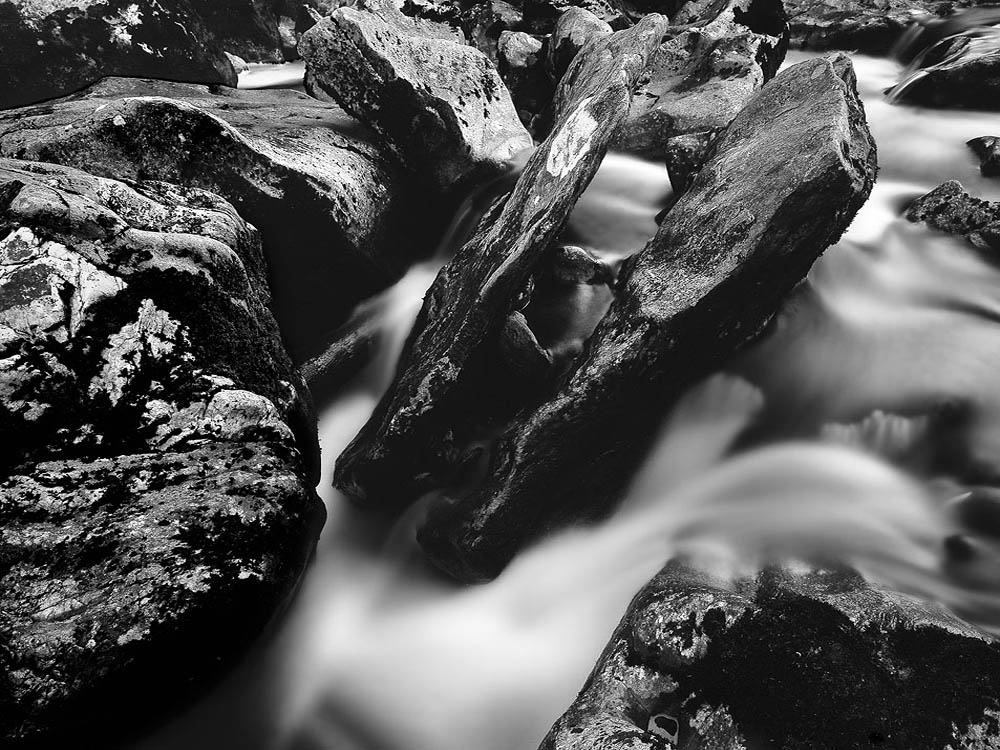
(440, 102)
(726, 255)
(156, 488)
(431, 405)
(814, 659)
(330, 203)
(950, 209)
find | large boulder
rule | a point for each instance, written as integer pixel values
(816, 659)
(434, 403)
(157, 500)
(950, 209)
(329, 201)
(56, 47)
(724, 258)
(439, 102)
(962, 72)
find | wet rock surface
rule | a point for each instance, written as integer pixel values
(987, 148)
(950, 209)
(439, 102)
(810, 658)
(157, 502)
(332, 205)
(703, 286)
(410, 441)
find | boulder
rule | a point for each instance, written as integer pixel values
(158, 502)
(56, 47)
(685, 155)
(724, 258)
(521, 59)
(433, 405)
(439, 102)
(964, 72)
(572, 31)
(257, 30)
(814, 659)
(708, 68)
(987, 148)
(331, 203)
(485, 22)
(950, 209)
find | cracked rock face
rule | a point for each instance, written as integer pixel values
(156, 490)
(53, 47)
(331, 205)
(950, 209)
(806, 659)
(440, 102)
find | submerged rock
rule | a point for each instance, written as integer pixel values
(987, 148)
(56, 47)
(331, 204)
(724, 258)
(439, 102)
(432, 405)
(950, 209)
(157, 483)
(816, 659)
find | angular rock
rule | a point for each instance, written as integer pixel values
(522, 67)
(572, 31)
(408, 444)
(987, 148)
(950, 209)
(440, 103)
(332, 205)
(256, 30)
(705, 73)
(156, 488)
(685, 155)
(56, 47)
(735, 243)
(816, 659)
(484, 23)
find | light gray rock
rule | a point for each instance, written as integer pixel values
(575, 27)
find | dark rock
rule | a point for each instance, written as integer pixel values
(949, 208)
(157, 502)
(350, 349)
(572, 31)
(685, 155)
(987, 148)
(541, 15)
(979, 511)
(725, 256)
(705, 72)
(818, 660)
(432, 405)
(56, 47)
(522, 67)
(963, 73)
(484, 23)
(439, 102)
(329, 202)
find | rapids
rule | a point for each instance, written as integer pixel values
(834, 437)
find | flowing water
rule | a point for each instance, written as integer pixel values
(844, 433)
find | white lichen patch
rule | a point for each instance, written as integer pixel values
(34, 10)
(572, 142)
(716, 725)
(979, 736)
(123, 23)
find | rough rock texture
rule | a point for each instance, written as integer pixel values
(408, 444)
(572, 31)
(987, 148)
(329, 202)
(725, 256)
(54, 47)
(156, 487)
(706, 72)
(685, 155)
(870, 26)
(252, 29)
(485, 22)
(441, 103)
(521, 59)
(815, 659)
(950, 209)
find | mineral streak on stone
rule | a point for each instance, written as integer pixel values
(726, 254)
(407, 444)
(329, 202)
(987, 148)
(949, 208)
(814, 658)
(439, 102)
(156, 486)
(703, 76)
(55, 47)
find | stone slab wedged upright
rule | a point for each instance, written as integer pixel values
(333, 206)
(785, 181)
(157, 501)
(408, 444)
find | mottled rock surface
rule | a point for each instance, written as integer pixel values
(815, 659)
(521, 59)
(55, 47)
(950, 209)
(432, 406)
(330, 203)
(572, 31)
(440, 102)
(156, 500)
(987, 148)
(723, 259)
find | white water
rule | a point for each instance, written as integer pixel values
(380, 654)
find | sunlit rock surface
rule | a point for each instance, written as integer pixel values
(806, 659)
(329, 201)
(156, 499)
(949, 208)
